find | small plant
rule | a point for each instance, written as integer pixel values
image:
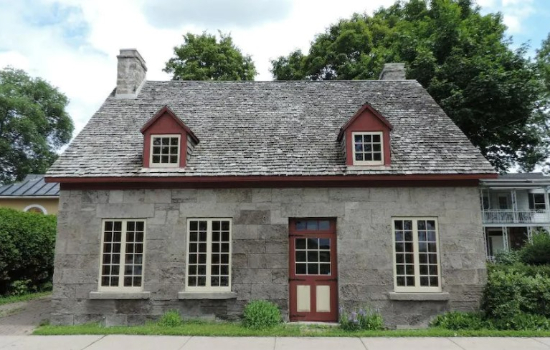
(171, 318)
(261, 314)
(21, 287)
(523, 322)
(457, 321)
(361, 319)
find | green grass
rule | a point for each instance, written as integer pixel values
(25, 297)
(237, 330)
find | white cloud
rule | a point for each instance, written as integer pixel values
(74, 43)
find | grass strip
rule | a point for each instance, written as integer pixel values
(237, 330)
(25, 297)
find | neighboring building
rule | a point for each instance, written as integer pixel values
(314, 195)
(513, 206)
(32, 194)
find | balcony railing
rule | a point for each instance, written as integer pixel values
(509, 216)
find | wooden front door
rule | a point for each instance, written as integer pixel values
(313, 282)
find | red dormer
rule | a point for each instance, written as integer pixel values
(365, 138)
(167, 141)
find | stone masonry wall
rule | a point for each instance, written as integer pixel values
(260, 248)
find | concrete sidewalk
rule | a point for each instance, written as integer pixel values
(115, 342)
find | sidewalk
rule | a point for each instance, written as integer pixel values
(115, 342)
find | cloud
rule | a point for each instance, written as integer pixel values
(514, 12)
(215, 14)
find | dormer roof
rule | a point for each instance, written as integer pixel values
(168, 112)
(360, 112)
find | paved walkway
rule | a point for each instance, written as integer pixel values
(22, 318)
(116, 342)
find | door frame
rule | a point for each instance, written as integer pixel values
(314, 280)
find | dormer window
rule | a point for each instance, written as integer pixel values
(365, 139)
(367, 148)
(167, 141)
(165, 150)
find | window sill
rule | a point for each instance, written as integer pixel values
(443, 296)
(206, 295)
(119, 295)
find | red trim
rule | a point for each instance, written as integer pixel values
(167, 111)
(365, 107)
(313, 280)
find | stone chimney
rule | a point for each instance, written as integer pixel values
(131, 72)
(393, 71)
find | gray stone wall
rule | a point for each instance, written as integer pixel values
(260, 248)
(131, 71)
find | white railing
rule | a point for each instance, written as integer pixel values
(509, 216)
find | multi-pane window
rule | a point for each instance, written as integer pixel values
(536, 201)
(312, 256)
(367, 148)
(165, 150)
(416, 255)
(122, 254)
(209, 255)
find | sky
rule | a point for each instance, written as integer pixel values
(73, 44)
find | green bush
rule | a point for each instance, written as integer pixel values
(461, 321)
(360, 319)
(510, 257)
(27, 242)
(170, 318)
(522, 322)
(261, 314)
(537, 252)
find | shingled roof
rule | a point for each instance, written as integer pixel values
(271, 128)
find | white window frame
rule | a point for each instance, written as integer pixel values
(121, 287)
(371, 133)
(36, 206)
(543, 203)
(164, 165)
(417, 288)
(209, 288)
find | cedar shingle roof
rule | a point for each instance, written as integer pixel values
(271, 128)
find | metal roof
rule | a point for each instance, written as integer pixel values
(33, 186)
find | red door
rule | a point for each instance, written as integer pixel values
(313, 283)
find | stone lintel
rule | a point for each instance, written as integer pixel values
(119, 295)
(444, 296)
(212, 295)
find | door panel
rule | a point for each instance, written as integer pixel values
(313, 283)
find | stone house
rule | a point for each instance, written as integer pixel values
(202, 196)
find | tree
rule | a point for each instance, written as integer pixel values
(33, 125)
(463, 59)
(202, 57)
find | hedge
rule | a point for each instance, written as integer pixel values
(27, 242)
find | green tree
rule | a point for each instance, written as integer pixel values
(202, 57)
(463, 59)
(33, 124)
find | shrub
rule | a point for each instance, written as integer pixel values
(261, 314)
(170, 318)
(361, 319)
(456, 321)
(27, 242)
(511, 291)
(22, 287)
(510, 257)
(523, 322)
(537, 252)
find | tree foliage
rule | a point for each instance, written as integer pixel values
(33, 124)
(202, 57)
(493, 93)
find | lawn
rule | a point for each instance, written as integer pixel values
(25, 297)
(285, 330)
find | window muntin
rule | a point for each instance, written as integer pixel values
(368, 148)
(165, 150)
(536, 201)
(209, 255)
(312, 256)
(416, 253)
(36, 208)
(122, 255)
